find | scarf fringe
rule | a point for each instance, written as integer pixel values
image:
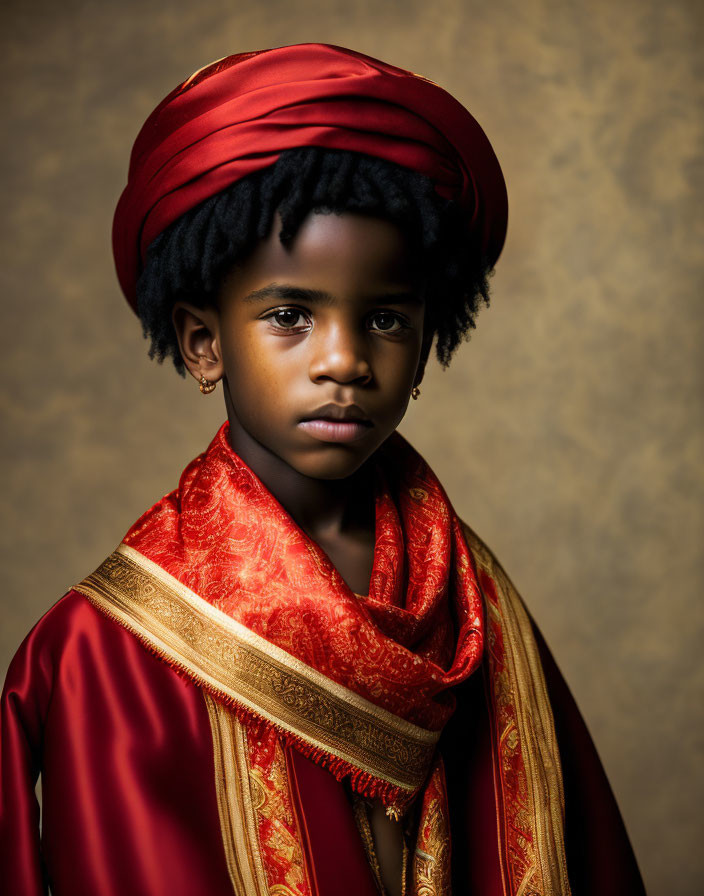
(395, 799)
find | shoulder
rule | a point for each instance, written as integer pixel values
(71, 622)
(490, 572)
(483, 557)
(504, 606)
(71, 614)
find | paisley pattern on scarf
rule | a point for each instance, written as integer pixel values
(277, 830)
(225, 537)
(433, 583)
(431, 869)
(245, 859)
(527, 772)
(260, 680)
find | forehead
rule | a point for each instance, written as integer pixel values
(341, 253)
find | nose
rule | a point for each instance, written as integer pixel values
(340, 353)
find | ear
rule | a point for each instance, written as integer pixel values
(198, 334)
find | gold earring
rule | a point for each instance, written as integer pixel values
(415, 392)
(206, 387)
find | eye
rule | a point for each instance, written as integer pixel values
(387, 322)
(288, 319)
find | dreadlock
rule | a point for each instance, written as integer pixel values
(190, 259)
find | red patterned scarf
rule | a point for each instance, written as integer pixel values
(393, 656)
(220, 583)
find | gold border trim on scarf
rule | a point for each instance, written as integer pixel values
(544, 813)
(235, 807)
(230, 660)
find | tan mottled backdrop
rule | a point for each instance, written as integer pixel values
(568, 431)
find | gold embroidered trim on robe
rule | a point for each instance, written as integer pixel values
(432, 870)
(227, 658)
(235, 807)
(532, 809)
(278, 829)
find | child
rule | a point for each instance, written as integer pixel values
(300, 672)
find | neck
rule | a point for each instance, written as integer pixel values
(321, 507)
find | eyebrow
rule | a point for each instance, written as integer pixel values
(285, 293)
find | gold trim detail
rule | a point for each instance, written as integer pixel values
(229, 659)
(534, 733)
(235, 805)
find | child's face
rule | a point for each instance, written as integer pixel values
(336, 318)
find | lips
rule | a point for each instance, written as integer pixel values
(336, 423)
(339, 413)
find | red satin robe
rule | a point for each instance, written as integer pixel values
(124, 747)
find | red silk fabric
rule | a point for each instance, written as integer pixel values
(126, 756)
(125, 749)
(236, 116)
(418, 633)
(328, 865)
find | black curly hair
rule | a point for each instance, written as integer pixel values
(189, 260)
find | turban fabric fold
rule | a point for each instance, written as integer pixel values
(235, 117)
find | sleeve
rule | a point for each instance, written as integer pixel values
(23, 709)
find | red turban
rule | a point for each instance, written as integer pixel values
(236, 116)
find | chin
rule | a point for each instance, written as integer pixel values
(335, 464)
